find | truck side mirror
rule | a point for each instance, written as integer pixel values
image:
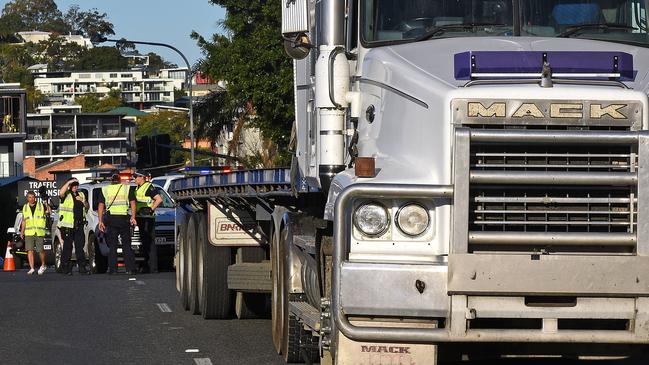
(295, 25)
(297, 47)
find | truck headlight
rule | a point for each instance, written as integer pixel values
(413, 219)
(371, 219)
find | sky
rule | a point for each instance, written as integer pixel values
(162, 21)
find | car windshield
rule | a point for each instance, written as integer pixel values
(167, 202)
(394, 21)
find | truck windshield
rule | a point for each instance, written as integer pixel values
(395, 21)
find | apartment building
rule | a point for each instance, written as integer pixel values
(13, 111)
(103, 138)
(138, 90)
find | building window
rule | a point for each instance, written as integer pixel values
(113, 76)
(127, 75)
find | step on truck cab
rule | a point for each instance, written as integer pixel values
(470, 177)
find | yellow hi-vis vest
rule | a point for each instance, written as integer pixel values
(116, 198)
(143, 201)
(34, 223)
(66, 211)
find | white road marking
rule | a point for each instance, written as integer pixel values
(191, 350)
(131, 279)
(164, 307)
(203, 361)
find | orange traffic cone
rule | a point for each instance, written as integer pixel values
(9, 265)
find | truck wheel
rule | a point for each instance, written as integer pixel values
(197, 249)
(250, 305)
(216, 298)
(299, 343)
(58, 252)
(279, 302)
(100, 261)
(188, 262)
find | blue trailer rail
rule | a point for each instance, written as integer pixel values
(242, 183)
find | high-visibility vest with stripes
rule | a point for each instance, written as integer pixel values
(143, 201)
(66, 211)
(34, 223)
(116, 198)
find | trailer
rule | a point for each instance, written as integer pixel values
(470, 178)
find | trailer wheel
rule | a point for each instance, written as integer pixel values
(299, 343)
(188, 262)
(279, 300)
(216, 299)
(250, 305)
(197, 256)
(180, 261)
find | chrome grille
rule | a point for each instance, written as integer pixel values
(549, 187)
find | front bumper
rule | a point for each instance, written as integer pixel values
(470, 288)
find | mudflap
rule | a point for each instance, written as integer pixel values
(350, 352)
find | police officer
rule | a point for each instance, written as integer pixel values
(148, 199)
(72, 216)
(116, 199)
(32, 230)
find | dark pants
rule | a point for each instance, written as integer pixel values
(70, 236)
(119, 226)
(146, 227)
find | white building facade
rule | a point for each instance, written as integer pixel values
(137, 90)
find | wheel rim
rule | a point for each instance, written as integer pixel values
(57, 254)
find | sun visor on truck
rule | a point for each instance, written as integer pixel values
(527, 64)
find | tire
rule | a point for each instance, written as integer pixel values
(250, 305)
(279, 301)
(216, 299)
(58, 253)
(299, 343)
(100, 261)
(180, 263)
(188, 262)
(196, 285)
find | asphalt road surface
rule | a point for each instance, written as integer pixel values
(102, 319)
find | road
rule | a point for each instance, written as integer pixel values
(102, 319)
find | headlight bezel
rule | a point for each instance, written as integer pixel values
(400, 210)
(387, 225)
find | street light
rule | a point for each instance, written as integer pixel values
(188, 80)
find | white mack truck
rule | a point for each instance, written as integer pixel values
(469, 177)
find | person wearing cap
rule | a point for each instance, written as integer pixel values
(116, 199)
(148, 199)
(72, 217)
(32, 230)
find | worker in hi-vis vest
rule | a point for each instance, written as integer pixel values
(32, 230)
(116, 199)
(72, 219)
(148, 199)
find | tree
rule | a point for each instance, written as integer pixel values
(253, 46)
(93, 103)
(89, 23)
(10, 24)
(156, 62)
(37, 15)
(101, 59)
(166, 122)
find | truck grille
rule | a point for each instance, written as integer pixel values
(541, 188)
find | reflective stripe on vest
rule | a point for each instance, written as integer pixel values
(118, 195)
(34, 223)
(66, 211)
(143, 200)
